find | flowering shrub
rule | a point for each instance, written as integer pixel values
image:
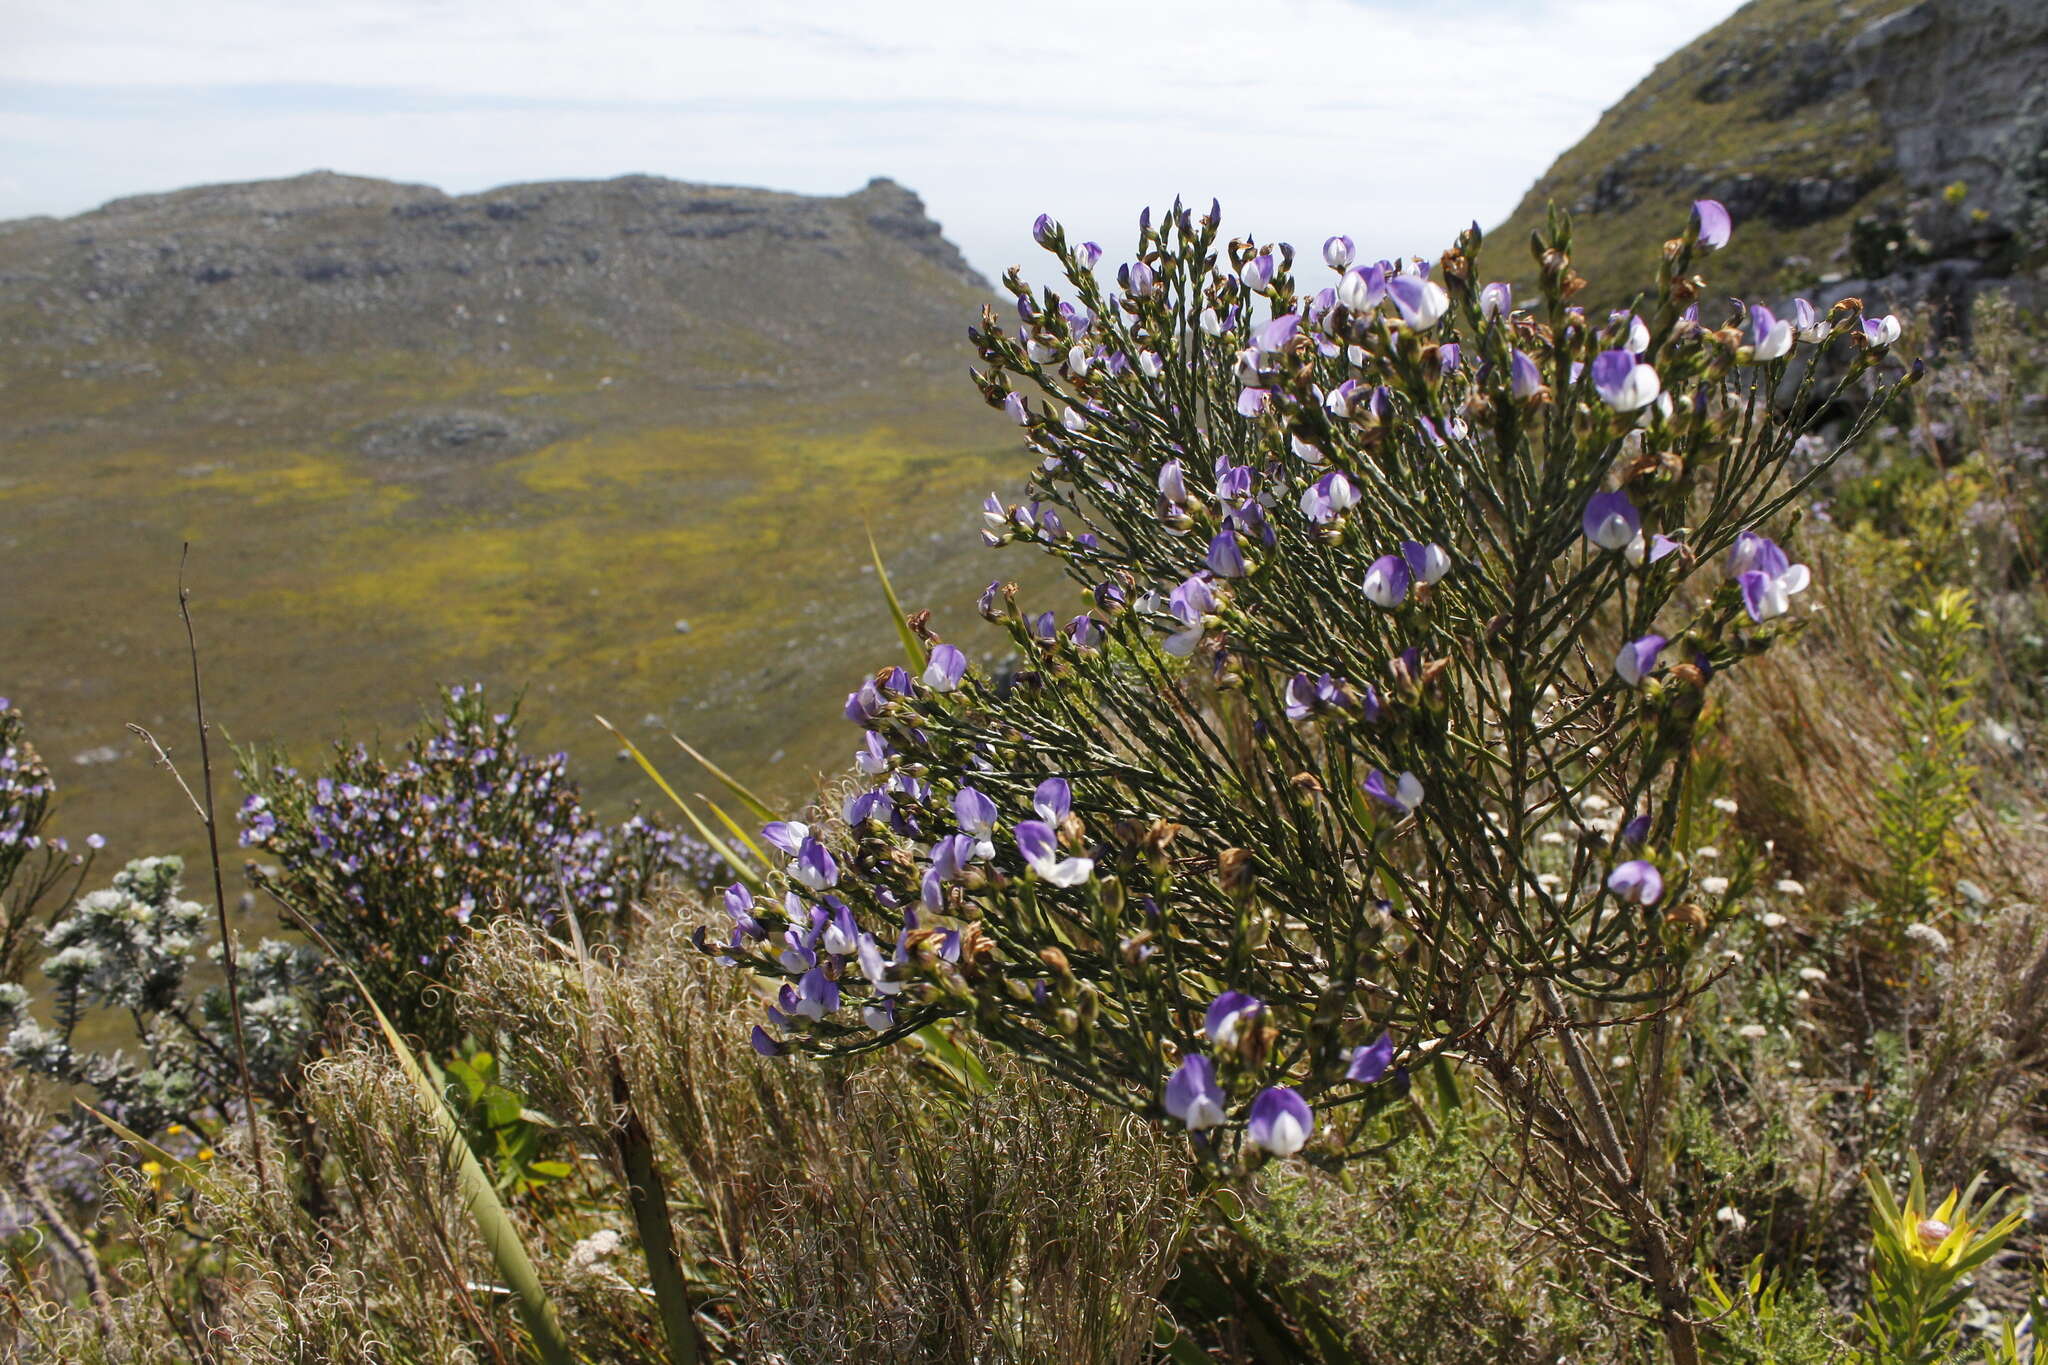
(393, 860)
(1393, 587)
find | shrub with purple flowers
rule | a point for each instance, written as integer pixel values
(394, 861)
(1389, 584)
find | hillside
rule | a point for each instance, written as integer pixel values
(614, 438)
(1894, 150)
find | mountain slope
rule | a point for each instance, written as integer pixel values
(613, 439)
(1901, 148)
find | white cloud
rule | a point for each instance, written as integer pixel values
(1394, 120)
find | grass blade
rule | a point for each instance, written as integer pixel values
(738, 831)
(717, 845)
(912, 651)
(732, 784)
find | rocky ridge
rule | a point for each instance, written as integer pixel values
(1894, 151)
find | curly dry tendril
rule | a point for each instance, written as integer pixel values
(1383, 585)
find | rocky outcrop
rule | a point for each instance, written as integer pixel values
(1894, 151)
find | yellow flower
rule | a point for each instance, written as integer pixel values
(206, 1153)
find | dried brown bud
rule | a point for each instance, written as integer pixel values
(920, 623)
(1689, 916)
(1234, 870)
(1057, 960)
(1688, 674)
(1307, 782)
(977, 952)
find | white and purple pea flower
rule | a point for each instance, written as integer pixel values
(947, 666)
(1369, 1062)
(1496, 300)
(1328, 498)
(1623, 382)
(1766, 575)
(1038, 840)
(1280, 1122)
(1638, 658)
(1338, 252)
(1422, 303)
(1611, 521)
(1229, 1015)
(1403, 793)
(1190, 604)
(1637, 881)
(1712, 224)
(1770, 336)
(1193, 1096)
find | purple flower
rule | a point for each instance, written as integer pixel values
(1624, 383)
(1659, 546)
(1448, 356)
(1811, 326)
(841, 936)
(1338, 252)
(764, 1044)
(787, 835)
(1883, 331)
(1524, 379)
(1280, 1122)
(739, 903)
(1053, 799)
(1323, 501)
(1044, 230)
(814, 865)
(1227, 1016)
(1421, 302)
(1637, 882)
(872, 757)
(1015, 406)
(1275, 335)
(1768, 579)
(817, 995)
(1257, 273)
(1712, 223)
(1085, 631)
(864, 703)
(1636, 830)
(1190, 604)
(1769, 335)
(1192, 1095)
(1252, 401)
(1403, 794)
(1087, 254)
(1386, 582)
(1426, 563)
(1040, 849)
(947, 667)
(1637, 658)
(1611, 521)
(1362, 288)
(1173, 483)
(1370, 1062)
(1226, 560)
(975, 812)
(1496, 299)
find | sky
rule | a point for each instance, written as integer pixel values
(1395, 121)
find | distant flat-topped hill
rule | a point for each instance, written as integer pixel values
(612, 439)
(1897, 150)
(715, 286)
